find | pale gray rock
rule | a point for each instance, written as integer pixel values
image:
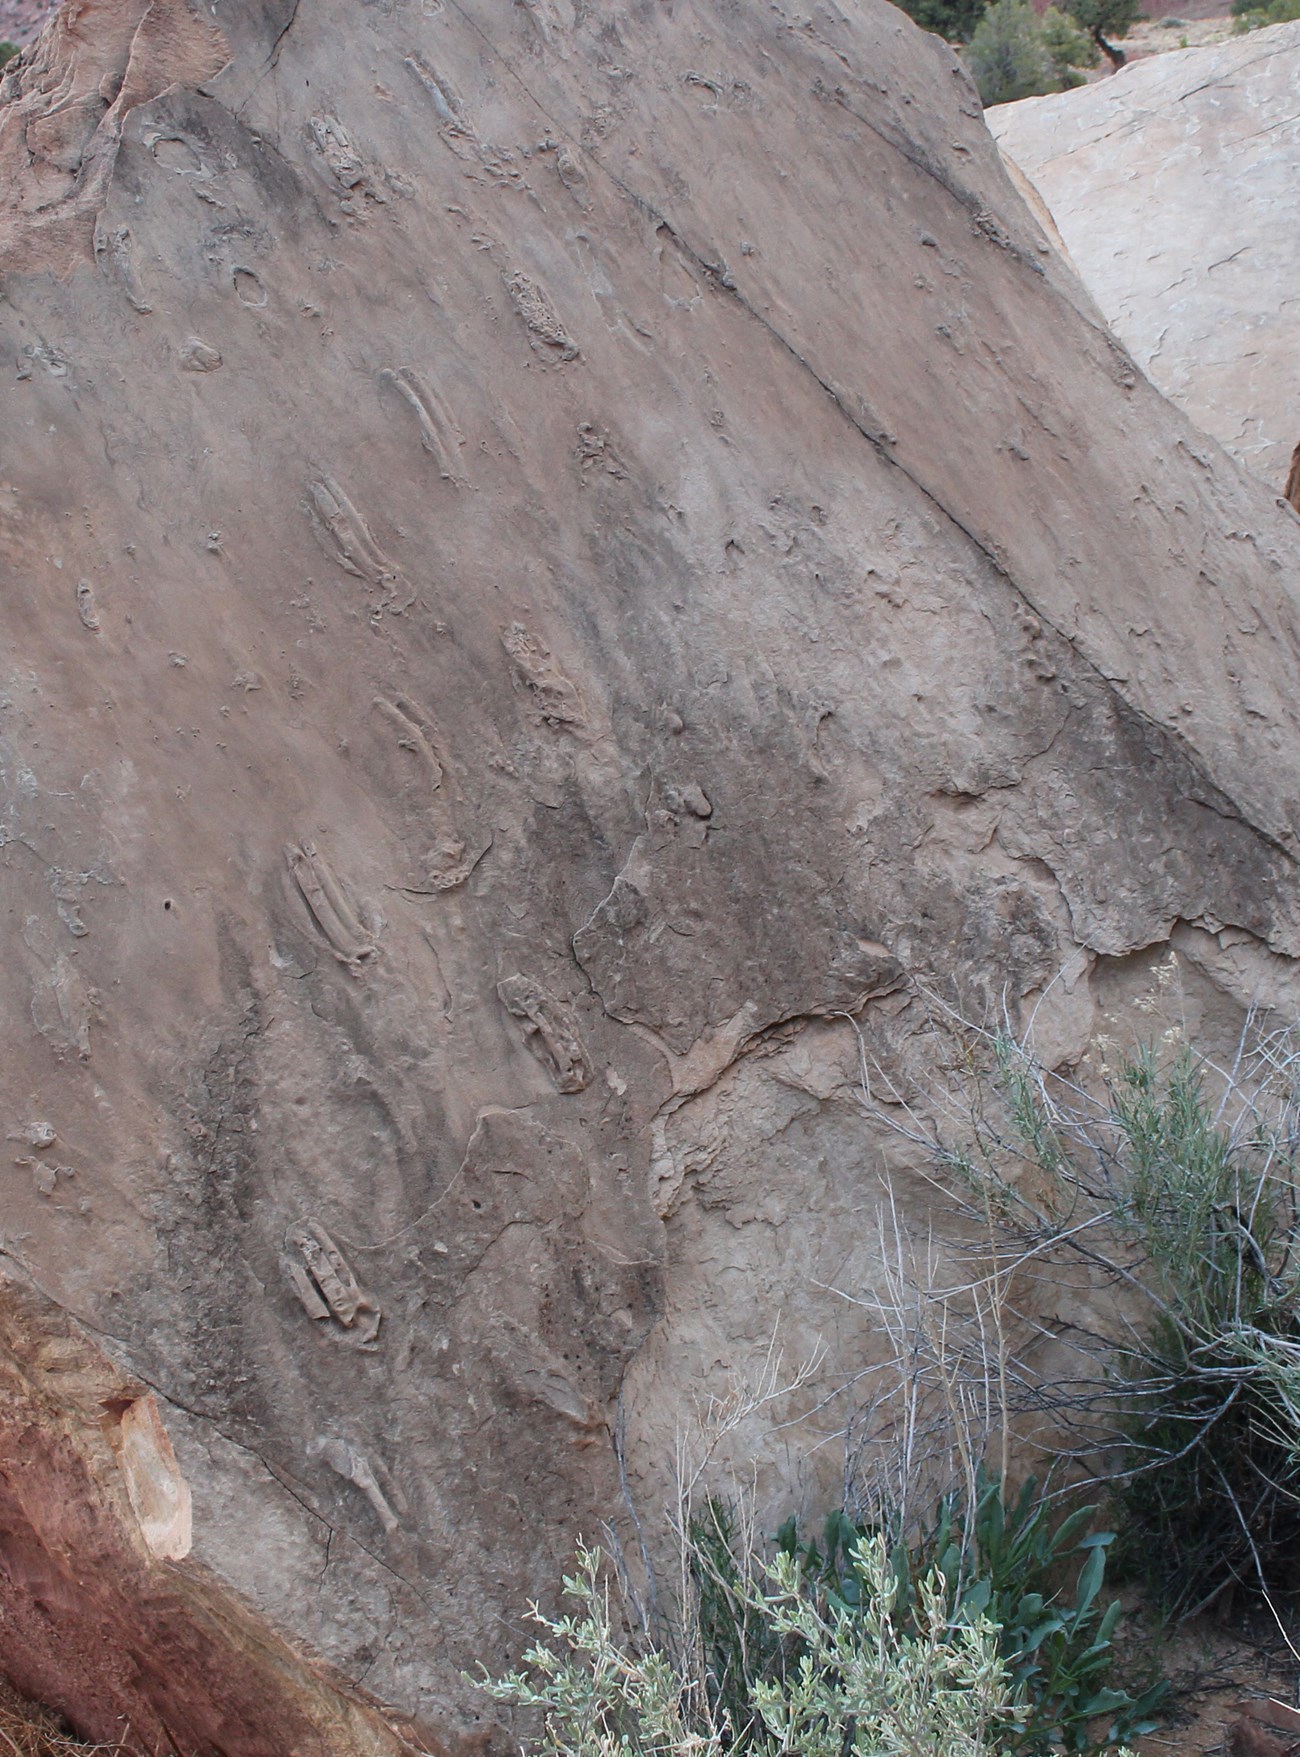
(671, 569)
(197, 356)
(1175, 185)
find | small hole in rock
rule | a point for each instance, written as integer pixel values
(249, 289)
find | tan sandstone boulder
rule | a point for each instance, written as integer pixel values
(560, 564)
(1174, 187)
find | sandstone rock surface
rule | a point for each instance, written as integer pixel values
(21, 20)
(1174, 185)
(561, 563)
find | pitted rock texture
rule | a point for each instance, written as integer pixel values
(21, 20)
(1173, 185)
(562, 564)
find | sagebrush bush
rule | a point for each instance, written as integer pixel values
(868, 1682)
(1004, 1559)
(968, 1639)
(1214, 1502)
(1190, 1208)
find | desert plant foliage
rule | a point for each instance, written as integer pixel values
(1012, 1563)
(1013, 54)
(1173, 1184)
(1250, 15)
(950, 1606)
(876, 1679)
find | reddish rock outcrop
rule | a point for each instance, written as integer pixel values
(93, 1506)
(62, 106)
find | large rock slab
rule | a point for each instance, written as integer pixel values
(564, 567)
(1174, 185)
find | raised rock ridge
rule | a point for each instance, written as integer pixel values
(561, 562)
(1173, 185)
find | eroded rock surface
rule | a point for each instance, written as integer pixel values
(560, 562)
(21, 20)
(1174, 187)
(94, 1505)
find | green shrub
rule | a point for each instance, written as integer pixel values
(966, 1638)
(1008, 1560)
(952, 19)
(1250, 15)
(7, 52)
(1014, 54)
(1189, 1410)
(1007, 56)
(1068, 48)
(1215, 1502)
(737, 1642)
(867, 1682)
(1104, 19)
